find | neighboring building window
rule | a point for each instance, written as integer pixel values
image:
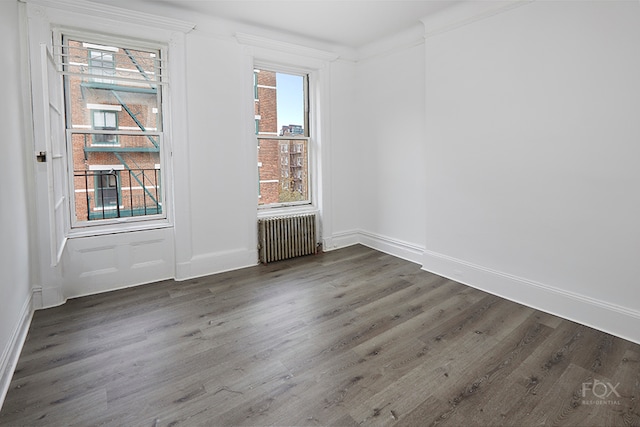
(283, 138)
(101, 63)
(115, 122)
(105, 120)
(106, 190)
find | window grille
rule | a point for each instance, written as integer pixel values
(91, 60)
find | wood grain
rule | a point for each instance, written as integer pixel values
(345, 338)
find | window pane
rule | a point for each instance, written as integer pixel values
(110, 120)
(280, 103)
(130, 93)
(98, 119)
(130, 172)
(284, 169)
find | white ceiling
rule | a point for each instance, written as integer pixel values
(348, 23)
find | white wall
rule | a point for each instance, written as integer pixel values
(532, 148)
(346, 157)
(223, 171)
(223, 154)
(15, 257)
(390, 120)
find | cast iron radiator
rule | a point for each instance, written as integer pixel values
(286, 237)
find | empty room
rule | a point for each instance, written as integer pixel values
(320, 213)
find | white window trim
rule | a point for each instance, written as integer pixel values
(306, 206)
(82, 228)
(46, 16)
(272, 54)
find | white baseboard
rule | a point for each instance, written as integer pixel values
(341, 240)
(398, 248)
(11, 353)
(216, 262)
(613, 319)
(405, 250)
(48, 297)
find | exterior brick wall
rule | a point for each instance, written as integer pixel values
(269, 170)
(267, 104)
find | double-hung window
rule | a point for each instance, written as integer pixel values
(113, 109)
(282, 130)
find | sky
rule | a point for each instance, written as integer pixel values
(290, 98)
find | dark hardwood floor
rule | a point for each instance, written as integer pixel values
(350, 337)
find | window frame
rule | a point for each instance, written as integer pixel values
(80, 227)
(309, 125)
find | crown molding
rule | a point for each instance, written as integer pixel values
(466, 13)
(408, 38)
(285, 47)
(114, 13)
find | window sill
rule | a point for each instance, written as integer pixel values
(286, 211)
(117, 227)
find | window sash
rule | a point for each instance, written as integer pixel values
(289, 172)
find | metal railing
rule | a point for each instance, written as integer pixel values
(117, 193)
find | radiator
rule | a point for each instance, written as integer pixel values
(286, 237)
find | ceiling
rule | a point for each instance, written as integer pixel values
(348, 23)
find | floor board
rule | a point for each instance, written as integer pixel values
(349, 337)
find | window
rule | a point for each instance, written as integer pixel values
(105, 120)
(282, 128)
(106, 190)
(101, 63)
(114, 131)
